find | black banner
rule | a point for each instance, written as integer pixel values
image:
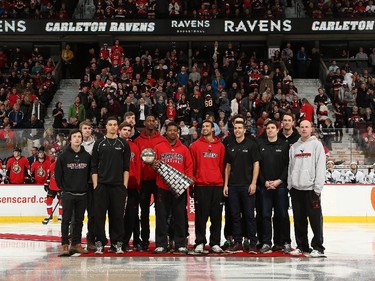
(187, 27)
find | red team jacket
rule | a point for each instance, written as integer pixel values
(52, 183)
(144, 141)
(40, 170)
(17, 169)
(207, 169)
(177, 156)
(135, 166)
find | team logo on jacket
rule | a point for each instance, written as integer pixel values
(16, 168)
(172, 158)
(303, 154)
(209, 155)
(132, 155)
(41, 173)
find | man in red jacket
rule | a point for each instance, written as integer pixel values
(40, 168)
(177, 155)
(131, 210)
(149, 138)
(208, 166)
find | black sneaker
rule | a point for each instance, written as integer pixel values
(145, 247)
(227, 244)
(236, 248)
(138, 247)
(126, 248)
(277, 248)
(253, 249)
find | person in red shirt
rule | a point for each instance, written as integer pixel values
(40, 168)
(134, 186)
(174, 153)
(208, 167)
(171, 111)
(18, 168)
(53, 191)
(307, 110)
(149, 138)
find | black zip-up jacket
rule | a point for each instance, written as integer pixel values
(110, 159)
(274, 161)
(72, 170)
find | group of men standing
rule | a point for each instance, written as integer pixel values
(108, 176)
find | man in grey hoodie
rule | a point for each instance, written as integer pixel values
(306, 175)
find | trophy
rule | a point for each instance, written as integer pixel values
(176, 181)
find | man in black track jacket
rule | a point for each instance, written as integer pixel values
(110, 176)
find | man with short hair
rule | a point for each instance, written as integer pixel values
(149, 138)
(110, 176)
(72, 172)
(131, 219)
(241, 174)
(174, 153)
(88, 143)
(208, 167)
(274, 159)
(306, 174)
(288, 133)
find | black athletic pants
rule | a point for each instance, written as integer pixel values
(72, 204)
(165, 204)
(306, 204)
(207, 201)
(131, 215)
(147, 189)
(111, 199)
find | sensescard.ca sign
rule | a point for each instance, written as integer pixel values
(187, 27)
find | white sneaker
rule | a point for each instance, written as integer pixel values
(99, 248)
(216, 249)
(317, 254)
(199, 249)
(296, 252)
(287, 248)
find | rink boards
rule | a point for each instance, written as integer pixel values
(340, 203)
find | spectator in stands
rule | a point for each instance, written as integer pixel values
(354, 175)
(287, 56)
(301, 59)
(38, 109)
(67, 57)
(77, 110)
(361, 58)
(333, 67)
(58, 115)
(307, 110)
(16, 116)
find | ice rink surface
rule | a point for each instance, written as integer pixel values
(350, 250)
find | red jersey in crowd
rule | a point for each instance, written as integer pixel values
(177, 156)
(52, 183)
(17, 169)
(208, 162)
(135, 166)
(40, 170)
(144, 141)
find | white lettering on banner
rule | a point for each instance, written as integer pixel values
(12, 26)
(76, 26)
(132, 27)
(344, 25)
(191, 206)
(190, 23)
(258, 26)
